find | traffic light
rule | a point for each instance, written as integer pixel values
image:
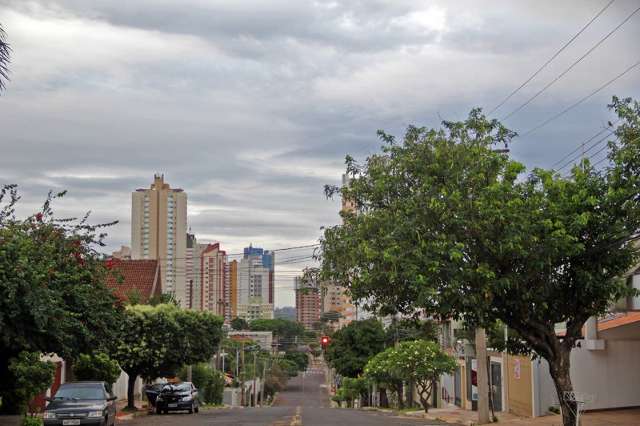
(324, 341)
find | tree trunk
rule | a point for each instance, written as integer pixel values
(424, 393)
(399, 393)
(410, 394)
(560, 373)
(384, 400)
(131, 386)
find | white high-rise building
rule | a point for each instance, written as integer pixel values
(159, 231)
(254, 287)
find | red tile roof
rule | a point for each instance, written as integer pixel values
(618, 320)
(131, 276)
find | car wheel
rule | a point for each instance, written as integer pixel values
(197, 409)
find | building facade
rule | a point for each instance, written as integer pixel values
(158, 231)
(255, 284)
(307, 303)
(233, 288)
(213, 279)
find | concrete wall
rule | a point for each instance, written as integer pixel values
(519, 375)
(612, 375)
(120, 387)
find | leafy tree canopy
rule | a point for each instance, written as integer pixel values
(447, 224)
(158, 340)
(52, 293)
(352, 346)
(97, 367)
(411, 329)
(239, 324)
(421, 362)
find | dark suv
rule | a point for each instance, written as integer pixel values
(81, 403)
(179, 396)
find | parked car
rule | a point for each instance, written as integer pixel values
(178, 396)
(152, 391)
(81, 403)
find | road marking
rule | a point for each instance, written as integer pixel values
(297, 419)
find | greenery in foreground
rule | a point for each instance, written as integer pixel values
(448, 225)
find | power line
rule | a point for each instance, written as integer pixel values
(555, 55)
(578, 102)
(596, 143)
(562, 74)
(580, 145)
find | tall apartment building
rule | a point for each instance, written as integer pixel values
(255, 284)
(233, 287)
(307, 303)
(158, 231)
(192, 276)
(213, 279)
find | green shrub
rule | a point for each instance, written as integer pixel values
(31, 421)
(210, 382)
(31, 377)
(97, 367)
(299, 358)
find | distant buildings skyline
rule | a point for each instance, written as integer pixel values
(199, 275)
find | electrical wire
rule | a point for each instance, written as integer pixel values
(580, 155)
(580, 101)
(555, 55)
(582, 144)
(562, 74)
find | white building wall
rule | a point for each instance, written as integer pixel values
(611, 376)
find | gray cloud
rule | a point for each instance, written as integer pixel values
(251, 106)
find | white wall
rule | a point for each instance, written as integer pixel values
(611, 375)
(120, 387)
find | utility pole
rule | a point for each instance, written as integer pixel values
(255, 392)
(264, 377)
(242, 401)
(482, 375)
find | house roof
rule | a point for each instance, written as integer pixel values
(618, 320)
(134, 276)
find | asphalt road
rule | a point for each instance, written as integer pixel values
(304, 402)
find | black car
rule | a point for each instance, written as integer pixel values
(81, 403)
(179, 396)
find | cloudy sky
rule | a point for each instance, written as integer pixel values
(251, 106)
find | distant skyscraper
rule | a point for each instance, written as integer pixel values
(307, 303)
(233, 287)
(255, 284)
(192, 277)
(213, 291)
(158, 231)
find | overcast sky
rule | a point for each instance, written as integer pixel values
(250, 106)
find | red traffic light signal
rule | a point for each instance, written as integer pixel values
(324, 341)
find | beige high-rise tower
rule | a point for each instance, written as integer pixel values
(159, 231)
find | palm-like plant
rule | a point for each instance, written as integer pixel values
(5, 51)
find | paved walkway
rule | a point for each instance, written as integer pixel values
(629, 417)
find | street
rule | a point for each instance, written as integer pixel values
(304, 402)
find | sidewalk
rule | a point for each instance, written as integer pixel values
(624, 417)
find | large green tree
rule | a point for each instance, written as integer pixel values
(52, 293)
(158, 340)
(447, 224)
(352, 346)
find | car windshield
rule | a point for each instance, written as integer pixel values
(182, 387)
(80, 392)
